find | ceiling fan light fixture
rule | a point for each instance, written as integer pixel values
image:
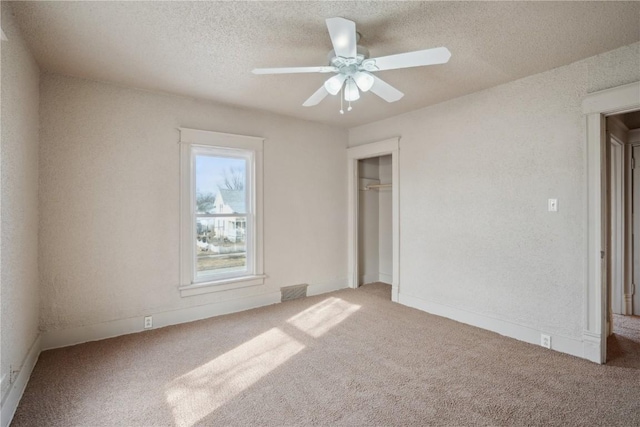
(355, 70)
(363, 80)
(351, 92)
(334, 84)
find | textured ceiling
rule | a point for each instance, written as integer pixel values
(207, 49)
(631, 120)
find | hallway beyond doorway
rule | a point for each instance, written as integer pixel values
(623, 346)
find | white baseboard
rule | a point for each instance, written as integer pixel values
(323, 288)
(66, 337)
(11, 399)
(559, 343)
(81, 334)
(385, 278)
(591, 347)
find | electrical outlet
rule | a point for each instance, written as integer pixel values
(545, 340)
(148, 322)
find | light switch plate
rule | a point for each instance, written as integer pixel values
(553, 205)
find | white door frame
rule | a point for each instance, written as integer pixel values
(632, 295)
(617, 255)
(375, 149)
(596, 107)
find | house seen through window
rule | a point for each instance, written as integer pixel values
(222, 197)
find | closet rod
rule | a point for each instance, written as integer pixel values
(372, 186)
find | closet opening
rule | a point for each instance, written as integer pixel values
(375, 243)
(374, 218)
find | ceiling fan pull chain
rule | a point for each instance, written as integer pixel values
(341, 97)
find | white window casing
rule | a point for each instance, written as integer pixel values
(198, 142)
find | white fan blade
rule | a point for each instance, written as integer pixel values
(343, 36)
(317, 96)
(291, 70)
(438, 55)
(385, 91)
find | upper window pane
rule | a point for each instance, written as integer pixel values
(220, 185)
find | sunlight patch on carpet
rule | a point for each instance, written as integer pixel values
(198, 393)
(320, 318)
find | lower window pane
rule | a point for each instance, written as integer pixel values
(221, 245)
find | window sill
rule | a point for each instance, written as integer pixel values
(221, 285)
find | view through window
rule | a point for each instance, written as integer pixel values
(222, 213)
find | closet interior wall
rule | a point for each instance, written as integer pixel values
(375, 260)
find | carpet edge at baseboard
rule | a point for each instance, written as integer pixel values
(80, 334)
(562, 344)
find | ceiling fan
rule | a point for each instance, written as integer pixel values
(353, 68)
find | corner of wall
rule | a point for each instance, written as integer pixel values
(20, 218)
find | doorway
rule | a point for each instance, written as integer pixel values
(596, 107)
(622, 219)
(374, 177)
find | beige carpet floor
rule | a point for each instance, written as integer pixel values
(348, 358)
(623, 347)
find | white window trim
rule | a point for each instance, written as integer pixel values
(188, 139)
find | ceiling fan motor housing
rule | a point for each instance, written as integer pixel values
(346, 65)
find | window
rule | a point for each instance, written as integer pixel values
(221, 224)
(222, 196)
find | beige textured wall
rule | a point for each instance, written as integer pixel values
(475, 176)
(19, 197)
(109, 166)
